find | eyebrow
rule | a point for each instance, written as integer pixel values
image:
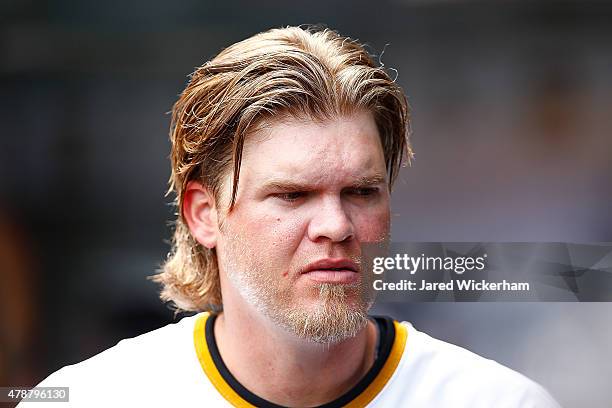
(371, 180)
(289, 185)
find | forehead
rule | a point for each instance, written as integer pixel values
(315, 151)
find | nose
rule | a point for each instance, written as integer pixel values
(330, 221)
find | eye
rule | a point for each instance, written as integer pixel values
(290, 196)
(364, 192)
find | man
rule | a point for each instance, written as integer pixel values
(284, 150)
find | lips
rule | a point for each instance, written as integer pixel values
(332, 270)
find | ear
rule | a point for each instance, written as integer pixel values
(200, 213)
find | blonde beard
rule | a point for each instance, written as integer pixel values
(332, 321)
(338, 313)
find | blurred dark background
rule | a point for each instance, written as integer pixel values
(512, 121)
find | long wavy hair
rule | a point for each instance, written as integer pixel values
(305, 72)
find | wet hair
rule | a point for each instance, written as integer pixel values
(302, 72)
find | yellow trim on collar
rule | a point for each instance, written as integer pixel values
(376, 386)
(362, 400)
(209, 367)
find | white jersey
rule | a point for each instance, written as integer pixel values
(179, 366)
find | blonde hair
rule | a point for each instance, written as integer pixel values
(303, 72)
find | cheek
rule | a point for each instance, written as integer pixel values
(281, 237)
(374, 225)
(273, 236)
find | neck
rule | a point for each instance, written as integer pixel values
(284, 369)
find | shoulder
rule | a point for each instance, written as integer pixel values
(152, 350)
(159, 358)
(443, 374)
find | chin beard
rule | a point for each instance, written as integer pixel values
(333, 319)
(339, 313)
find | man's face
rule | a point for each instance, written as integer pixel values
(309, 194)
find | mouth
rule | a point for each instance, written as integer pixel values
(332, 270)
